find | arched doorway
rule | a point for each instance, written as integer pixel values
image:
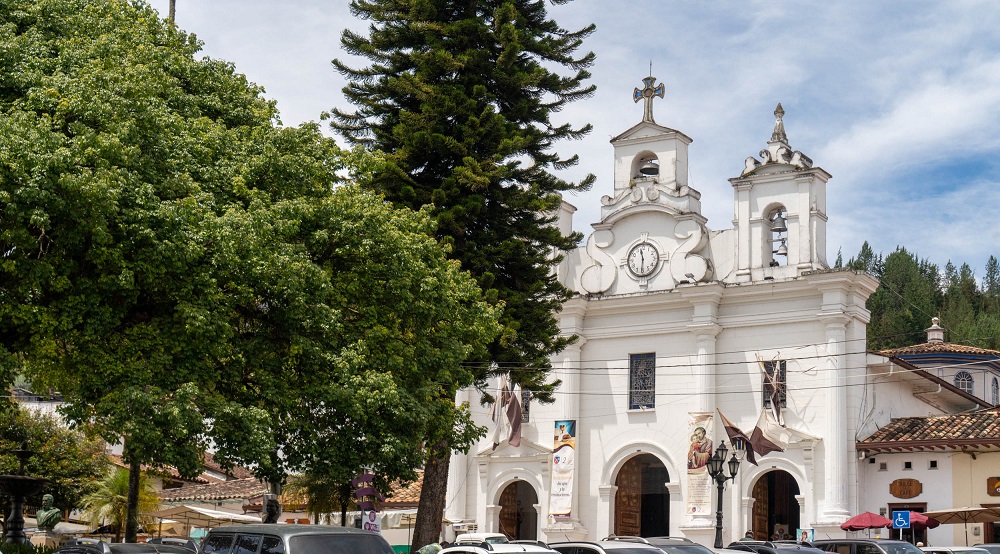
(775, 509)
(518, 517)
(642, 502)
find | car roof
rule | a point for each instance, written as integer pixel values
(975, 549)
(503, 547)
(859, 541)
(289, 530)
(608, 545)
(123, 548)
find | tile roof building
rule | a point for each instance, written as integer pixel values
(950, 456)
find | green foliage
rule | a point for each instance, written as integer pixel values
(905, 301)
(108, 503)
(24, 548)
(70, 460)
(180, 268)
(912, 291)
(460, 97)
(365, 321)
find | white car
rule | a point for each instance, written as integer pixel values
(487, 548)
(953, 550)
(489, 538)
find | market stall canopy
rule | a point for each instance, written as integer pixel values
(196, 516)
(965, 515)
(863, 521)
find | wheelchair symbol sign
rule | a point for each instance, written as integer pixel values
(901, 520)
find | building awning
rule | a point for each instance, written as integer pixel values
(196, 516)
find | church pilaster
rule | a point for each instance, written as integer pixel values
(837, 448)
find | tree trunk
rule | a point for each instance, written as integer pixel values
(345, 501)
(132, 509)
(433, 492)
(173, 10)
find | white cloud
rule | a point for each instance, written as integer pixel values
(880, 94)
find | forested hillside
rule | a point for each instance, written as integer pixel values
(913, 290)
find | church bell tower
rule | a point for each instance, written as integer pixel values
(780, 212)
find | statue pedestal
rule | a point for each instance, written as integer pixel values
(49, 539)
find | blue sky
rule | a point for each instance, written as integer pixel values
(899, 101)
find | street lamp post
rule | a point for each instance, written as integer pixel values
(715, 469)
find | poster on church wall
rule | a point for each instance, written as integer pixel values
(700, 447)
(563, 468)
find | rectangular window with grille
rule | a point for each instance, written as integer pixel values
(642, 381)
(525, 405)
(775, 379)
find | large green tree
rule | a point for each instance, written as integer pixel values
(107, 503)
(344, 356)
(119, 153)
(69, 459)
(461, 97)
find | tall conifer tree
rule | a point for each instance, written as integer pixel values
(460, 96)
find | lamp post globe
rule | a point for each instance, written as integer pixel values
(715, 470)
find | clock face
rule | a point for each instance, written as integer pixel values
(642, 259)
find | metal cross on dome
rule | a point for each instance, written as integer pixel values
(648, 93)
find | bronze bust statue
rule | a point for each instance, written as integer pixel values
(47, 516)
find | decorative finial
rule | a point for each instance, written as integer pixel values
(779, 127)
(778, 151)
(648, 93)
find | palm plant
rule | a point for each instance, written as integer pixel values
(108, 504)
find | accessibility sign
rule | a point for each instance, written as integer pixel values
(901, 520)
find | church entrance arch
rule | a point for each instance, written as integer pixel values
(775, 509)
(642, 502)
(518, 516)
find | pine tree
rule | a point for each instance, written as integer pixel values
(460, 97)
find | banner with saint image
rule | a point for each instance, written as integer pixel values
(563, 469)
(700, 448)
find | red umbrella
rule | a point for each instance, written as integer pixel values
(866, 520)
(920, 521)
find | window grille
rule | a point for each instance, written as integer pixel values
(996, 392)
(642, 381)
(525, 405)
(774, 383)
(963, 380)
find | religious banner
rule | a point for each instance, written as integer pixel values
(563, 468)
(700, 449)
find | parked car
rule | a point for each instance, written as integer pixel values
(175, 541)
(775, 547)
(94, 546)
(491, 538)
(993, 547)
(954, 550)
(495, 548)
(866, 546)
(616, 546)
(292, 539)
(670, 545)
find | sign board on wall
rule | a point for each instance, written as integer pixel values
(906, 488)
(993, 486)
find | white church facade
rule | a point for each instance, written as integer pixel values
(677, 323)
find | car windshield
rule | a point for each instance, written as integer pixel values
(899, 548)
(496, 540)
(339, 544)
